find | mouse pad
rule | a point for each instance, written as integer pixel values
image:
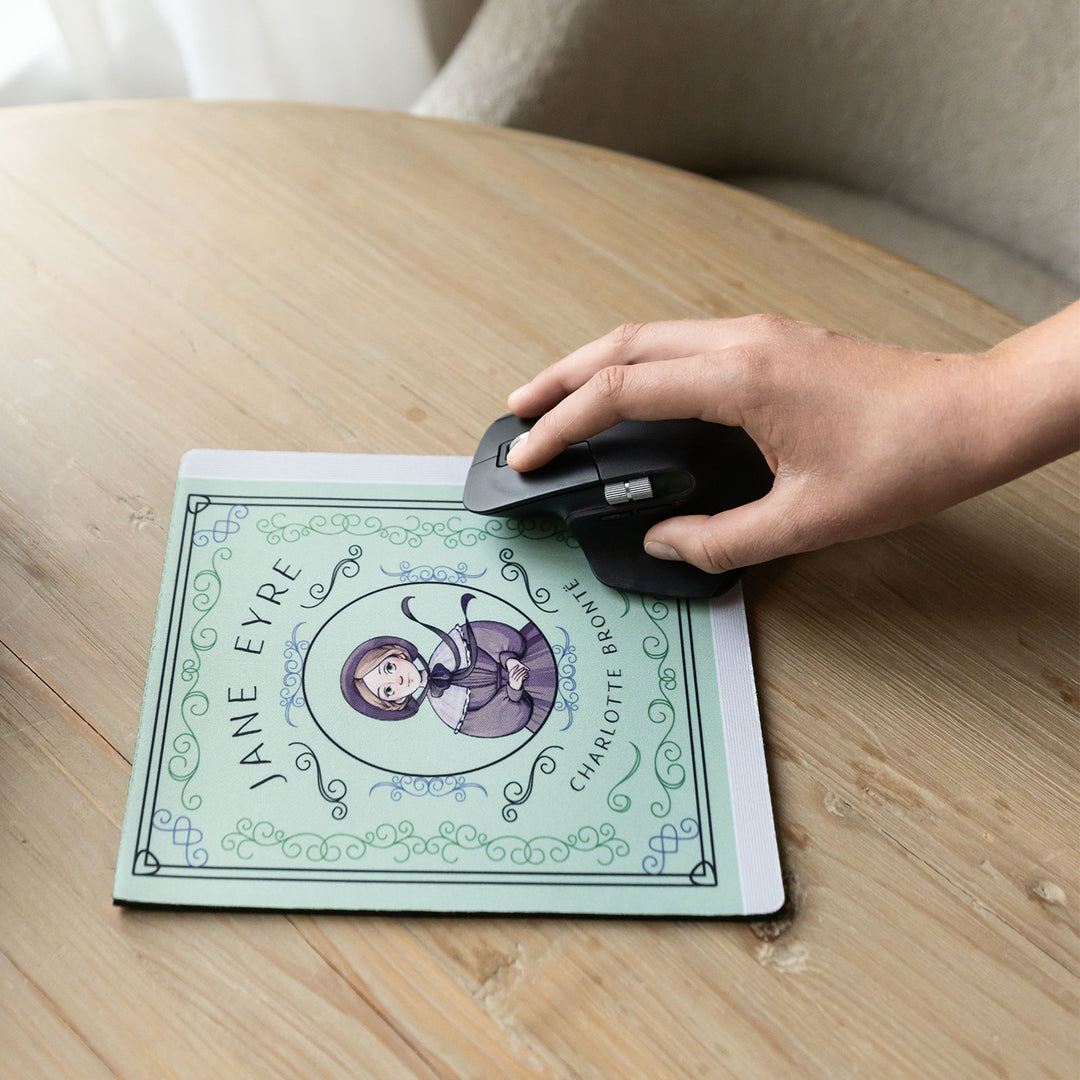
(361, 697)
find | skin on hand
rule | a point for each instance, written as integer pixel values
(516, 673)
(863, 438)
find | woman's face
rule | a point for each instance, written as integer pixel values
(393, 680)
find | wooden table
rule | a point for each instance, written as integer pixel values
(179, 275)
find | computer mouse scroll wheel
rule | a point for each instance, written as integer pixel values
(624, 491)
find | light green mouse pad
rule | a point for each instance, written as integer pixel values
(361, 697)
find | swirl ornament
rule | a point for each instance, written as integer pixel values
(222, 529)
(333, 792)
(514, 571)
(292, 690)
(515, 794)
(617, 800)
(411, 531)
(598, 844)
(278, 529)
(666, 842)
(183, 834)
(670, 774)
(437, 787)
(566, 662)
(206, 591)
(348, 567)
(456, 575)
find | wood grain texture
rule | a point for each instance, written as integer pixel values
(289, 277)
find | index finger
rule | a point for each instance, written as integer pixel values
(702, 387)
(631, 343)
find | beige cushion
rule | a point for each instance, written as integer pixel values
(1013, 282)
(963, 114)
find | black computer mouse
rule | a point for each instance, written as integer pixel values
(611, 489)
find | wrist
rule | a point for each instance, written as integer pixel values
(1033, 395)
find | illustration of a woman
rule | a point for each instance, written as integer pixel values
(484, 678)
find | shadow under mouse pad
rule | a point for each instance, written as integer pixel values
(362, 697)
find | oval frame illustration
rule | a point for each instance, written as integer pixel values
(456, 725)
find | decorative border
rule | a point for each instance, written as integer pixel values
(538, 851)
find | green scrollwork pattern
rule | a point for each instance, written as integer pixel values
(447, 844)
(206, 591)
(411, 531)
(670, 774)
(617, 800)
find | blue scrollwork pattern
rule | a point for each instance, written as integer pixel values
(566, 663)
(183, 834)
(220, 531)
(666, 842)
(455, 575)
(292, 690)
(438, 787)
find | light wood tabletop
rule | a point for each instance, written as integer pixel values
(304, 278)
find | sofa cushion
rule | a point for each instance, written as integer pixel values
(965, 113)
(1007, 279)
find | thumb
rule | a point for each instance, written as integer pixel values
(743, 536)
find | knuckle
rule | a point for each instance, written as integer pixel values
(544, 436)
(768, 324)
(624, 336)
(608, 383)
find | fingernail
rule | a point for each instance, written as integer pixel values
(515, 448)
(662, 551)
(513, 394)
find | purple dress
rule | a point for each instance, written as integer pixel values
(468, 684)
(476, 698)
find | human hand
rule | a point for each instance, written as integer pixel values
(863, 438)
(516, 673)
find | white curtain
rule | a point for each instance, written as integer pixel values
(376, 53)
